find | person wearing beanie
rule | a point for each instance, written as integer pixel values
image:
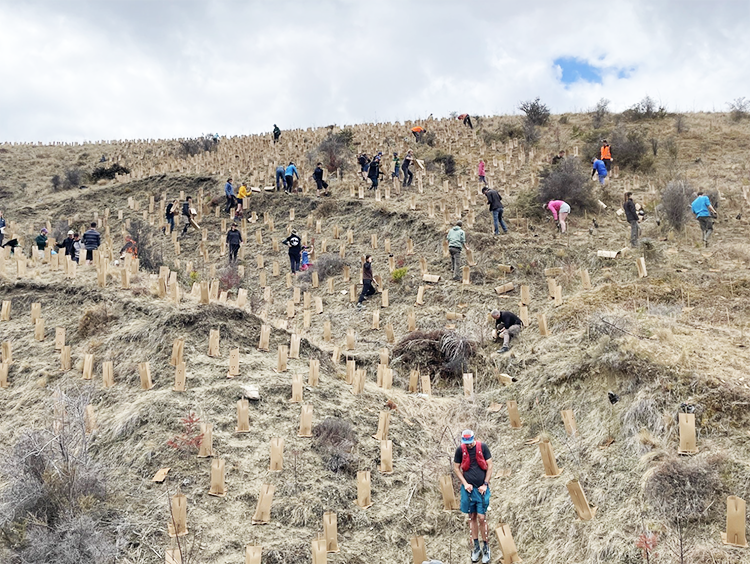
(472, 465)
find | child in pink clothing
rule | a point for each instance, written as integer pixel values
(481, 172)
(560, 211)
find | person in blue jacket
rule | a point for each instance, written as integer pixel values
(229, 193)
(291, 172)
(704, 213)
(600, 169)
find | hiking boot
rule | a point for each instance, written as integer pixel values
(503, 350)
(475, 554)
(359, 305)
(486, 557)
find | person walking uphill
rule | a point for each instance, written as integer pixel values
(408, 174)
(41, 242)
(91, 240)
(374, 173)
(494, 200)
(705, 214)
(631, 214)
(295, 250)
(276, 133)
(229, 193)
(280, 177)
(368, 281)
(560, 211)
(318, 177)
(472, 465)
(234, 240)
(481, 172)
(187, 214)
(605, 154)
(289, 174)
(456, 241)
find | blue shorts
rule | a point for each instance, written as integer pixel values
(474, 502)
(602, 178)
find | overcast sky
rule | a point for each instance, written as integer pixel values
(113, 69)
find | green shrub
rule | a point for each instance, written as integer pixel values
(536, 112)
(645, 109)
(567, 181)
(398, 274)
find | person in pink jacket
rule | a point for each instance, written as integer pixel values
(481, 172)
(560, 211)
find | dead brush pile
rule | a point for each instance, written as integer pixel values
(442, 352)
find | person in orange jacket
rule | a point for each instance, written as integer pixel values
(605, 154)
(418, 133)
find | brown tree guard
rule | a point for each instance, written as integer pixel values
(735, 534)
(65, 360)
(265, 338)
(687, 434)
(294, 346)
(296, 295)
(275, 268)
(88, 366)
(262, 515)
(384, 419)
(548, 459)
(558, 296)
(336, 354)
(376, 319)
(386, 457)
(282, 358)
(569, 421)
(108, 373)
(277, 454)
(515, 419)
(179, 377)
(234, 363)
(213, 290)
(178, 347)
(4, 370)
(306, 300)
(542, 320)
(507, 545)
(241, 297)
(39, 329)
(318, 305)
(390, 336)
(358, 382)
(330, 531)
(218, 485)
(468, 378)
(314, 372)
(350, 339)
(422, 266)
(420, 296)
(177, 524)
(554, 271)
(387, 378)
(305, 421)
(426, 385)
(36, 312)
(364, 497)
(351, 367)
(418, 549)
(352, 293)
(144, 371)
(206, 448)
(315, 278)
(327, 331)
(413, 381)
(450, 501)
(585, 511)
(525, 295)
(641, 264)
(297, 384)
(330, 288)
(346, 273)
(213, 343)
(243, 416)
(253, 554)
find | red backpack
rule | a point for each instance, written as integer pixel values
(466, 461)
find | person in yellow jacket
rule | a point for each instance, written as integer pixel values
(242, 193)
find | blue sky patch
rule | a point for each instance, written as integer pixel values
(576, 70)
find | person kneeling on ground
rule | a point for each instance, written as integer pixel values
(472, 465)
(507, 326)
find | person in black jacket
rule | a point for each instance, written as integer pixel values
(364, 164)
(507, 325)
(367, 281)
(91, 240)
(234, 240)
(374, 173)
(186, 214)
(318, 177)
(631, 214)
(295, 250)
(408, 174)
(494, 200)
(67, 244)
(169, 213)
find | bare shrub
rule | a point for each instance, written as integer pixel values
(327, 265)
(738, 109)
(334, 439)
(94, 321)
(502, 134)
(60, 230)
(680, 123)
(334, 151)
(447, 161)
(645, 109)
(56, 182)
(536, 112)
(568, 182)
(75, 540)
(643, 414)
(675, 203)
(449, 351)
(531, 134)
(631, 150)
(599, 113)
(150, 252)
(682, 488)
(191, 147)
(108, 173)
(229, 279)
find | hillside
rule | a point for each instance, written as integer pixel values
(676, 336)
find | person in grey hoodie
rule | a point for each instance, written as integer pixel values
(456, 241)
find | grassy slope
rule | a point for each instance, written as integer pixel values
(669, 353)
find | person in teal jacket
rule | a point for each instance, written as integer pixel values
(456, 241)
(291, 172)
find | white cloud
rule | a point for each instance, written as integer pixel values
(124, 69)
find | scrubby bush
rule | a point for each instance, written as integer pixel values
(328, 264)
(94, 321)
(738, 109)
(71, 178)
(599, 113)
(528, 203)
(334, 151)
(531, 134)
(645, 109)
(567, 181)
(429, 138)
(630, 150)
(447, 161)
(505, 132)
(191, 147)
(150, 252)
(229, 279)
(447, 352)
(675, 203)
(398, 274)
(536, 112)
(108, 173)
(680, 123)
(334, 439)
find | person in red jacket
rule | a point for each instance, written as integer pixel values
(605, 154)
(472, 465)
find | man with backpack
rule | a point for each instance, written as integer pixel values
(91, 240)
(295, 250)
(472, 465)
